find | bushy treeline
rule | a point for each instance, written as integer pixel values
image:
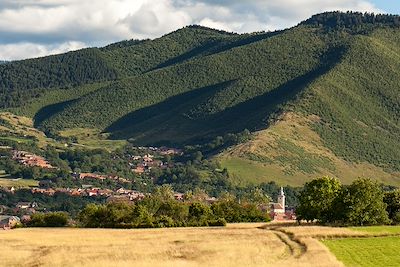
(58, 202)
(50, 219)
(164, 211)
(352, 20)
(363, 202)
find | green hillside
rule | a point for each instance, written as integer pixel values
(337, 75)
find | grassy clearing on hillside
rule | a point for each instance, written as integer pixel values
(291, 152)
(366, 252)
(250, 172)
(92, 138)
(18, 183)
(7, 181)
(15, 139)
(21, 130)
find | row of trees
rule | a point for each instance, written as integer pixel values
(363, 202)
(162, 210)
(352, 19)
(51, 219)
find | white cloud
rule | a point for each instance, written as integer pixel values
(37, 27)
(155, 18)
(32, 50)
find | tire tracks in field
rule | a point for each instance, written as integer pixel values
(303, 251)
(295, 247)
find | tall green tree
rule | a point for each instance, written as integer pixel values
(363, 203)
(392, 200)
(317, 198)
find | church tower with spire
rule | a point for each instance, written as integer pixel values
(281, 199)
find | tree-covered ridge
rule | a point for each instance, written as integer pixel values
(207, 93)
(196, 84)
(358, 101)
(22, 80)
(352, 20)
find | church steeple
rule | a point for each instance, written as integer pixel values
(281, 199)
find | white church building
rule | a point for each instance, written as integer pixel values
(278, 209)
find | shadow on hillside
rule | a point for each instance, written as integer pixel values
(167, 108)
(215, 47)
(48, 111)
(168, 123)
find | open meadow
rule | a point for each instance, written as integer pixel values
(368, 252)
(234, 245)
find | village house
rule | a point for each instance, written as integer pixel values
(211, 200)
(91, 176)
(139, 169)
(8, 189)
(179, 196)
(8, 222)
(26, 205)
(170, 151)
(31, 160)
(148, 158)
(44, 191)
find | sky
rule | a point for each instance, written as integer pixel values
(34, 28)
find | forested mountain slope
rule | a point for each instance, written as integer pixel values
(346, 123)
(336, 73)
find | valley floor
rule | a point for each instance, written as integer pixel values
(234, 245)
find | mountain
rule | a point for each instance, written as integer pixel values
(321, 98)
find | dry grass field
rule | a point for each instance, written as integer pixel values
(235, 245)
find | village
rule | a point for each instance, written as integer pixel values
(140, 163)
(277, 211)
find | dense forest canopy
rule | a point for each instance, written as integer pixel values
(352, 20)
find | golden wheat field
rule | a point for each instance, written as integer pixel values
(235, 245)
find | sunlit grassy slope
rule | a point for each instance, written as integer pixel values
(292, 152)
(21, 129)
